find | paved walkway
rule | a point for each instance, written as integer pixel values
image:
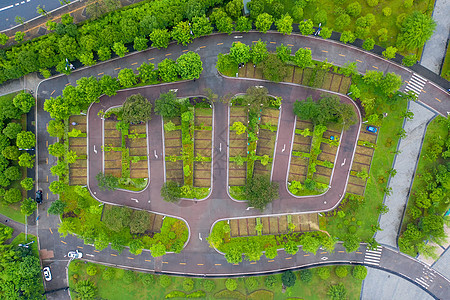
(28, 82)
(405, 163)
(443, 263)
(434, 51)
(382, 285)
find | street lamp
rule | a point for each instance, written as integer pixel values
(26, 245)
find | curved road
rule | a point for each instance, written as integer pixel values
(198, 258)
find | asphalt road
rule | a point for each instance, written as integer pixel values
(10, 9)
(198, 258)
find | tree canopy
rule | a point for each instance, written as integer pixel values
(136, 109)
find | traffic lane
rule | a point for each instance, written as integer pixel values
(26, 9)
(58, 269)
(433, 97)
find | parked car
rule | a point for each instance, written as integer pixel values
(75, 254)
(372, 129)
(39, 196)
(47, 274)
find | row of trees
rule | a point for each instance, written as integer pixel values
(14, 144)
(88, 89)
(159, 21)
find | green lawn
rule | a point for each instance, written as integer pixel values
(117, 288)
(446, 66)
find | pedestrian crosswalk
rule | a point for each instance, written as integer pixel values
(428, 275)
(416, 84)
(373, 257)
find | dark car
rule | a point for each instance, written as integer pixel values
(39, 196)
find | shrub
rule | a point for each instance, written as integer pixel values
(341, 271)
(147, 279)
(208, 285)
(271, 281)
(337, 292)
(188, 284)
(108, 274)
(387, 11)
(288, 278)
(251, 283)
(91, 270)
(372, 3)
(129, 276)
(231, 284)
(165, 281)
(323, 273)
(359, 272)
(306, 275)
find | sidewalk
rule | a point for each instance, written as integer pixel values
(405, 163)
(28, 82)
(434, 50)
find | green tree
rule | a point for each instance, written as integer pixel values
(19, 35)
(390, 52)
(59, 169)
(120, 49)
(263, 22)
(160, 38)
(338, 291)
(56, 149)
(306, 27)
(182, 33)
(87, 58)
(168, 70)
(158, 250)
(303, 58)
(326, 32)
(351, 243)
(347, 37)
(189, 65)
(147, 73)
(140, 43)
(284, 25)
(11, 152)
(107, 182)
(27, 184)
(259, 52)
(136, 247)
(284, 53)
(243, 24)
(201, 26)
(224, 24)
(170, 192)
(234, 8)
(86, 289)
(341, 271)
(342, 21)
(57, 187)
(288, 278)
(57, 207)
(240, 53)
(231, 284)
(323, 273)
(416, 29)
(3, 39)
(409, 60)
(109, 85)
(354, 9)
(238, 127)
(167, 105)
(25, 140)
(127, 78)
(26, 160)
(12, 195)
(24, 101)
(291, 247)
(55, 128)
(104, 53)
(359, 272)
(260, 191)
(28, 206)
(306, 275)
(13, 173)
(136, 109)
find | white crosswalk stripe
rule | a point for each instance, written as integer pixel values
(416, 84)
(373, 257)
(427, 277)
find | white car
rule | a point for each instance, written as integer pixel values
(47, 274)
(75, 254)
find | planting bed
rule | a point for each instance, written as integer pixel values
(78, 170)
(299, 165)
(237, 147)
(361, 163)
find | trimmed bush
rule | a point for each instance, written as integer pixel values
(231, 284)
(188, 284)
(341, 271)
(359, 272)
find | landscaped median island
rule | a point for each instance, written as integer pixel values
(253, 120)
(94, 280)
(188, 124)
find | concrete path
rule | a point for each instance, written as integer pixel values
(434, 51)
(405, 163)
(393, 287)
(28, 82)
(443, 263)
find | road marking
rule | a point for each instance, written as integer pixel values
(273, 42)
(101, 73)
(323, 252)
(306, 255)
(253, 263)
(284, 148)
(64, 242)
(6, 7)
(186, 50)
(341, 251)
(46, 144)
(308, 48)
(202, 47)
(148, 260)
(134, 64)
(217, 264)
(423, 91)
(343, 162)
(47, 178)
(375, 67)
(67, 84)
(359, 60)
(325, 51)
(341, 55)
(113, 254)
(97, 251)
(290, 45)
(46, 161)
(272, 260)
(235, 264)
(254, 41)
(79, 247)
(117, 69)
(53, 92)
(324, 258)
(47, 196)
(134, 199)
(182, 263)
(437, 99)
(219, 44)
(165, 262)
(200, 236)
(200, 264)
(50, 230)
(130, 257)
(356, 252)
(89, 255)
(168, 54)
(151, 58)
(288, 258)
